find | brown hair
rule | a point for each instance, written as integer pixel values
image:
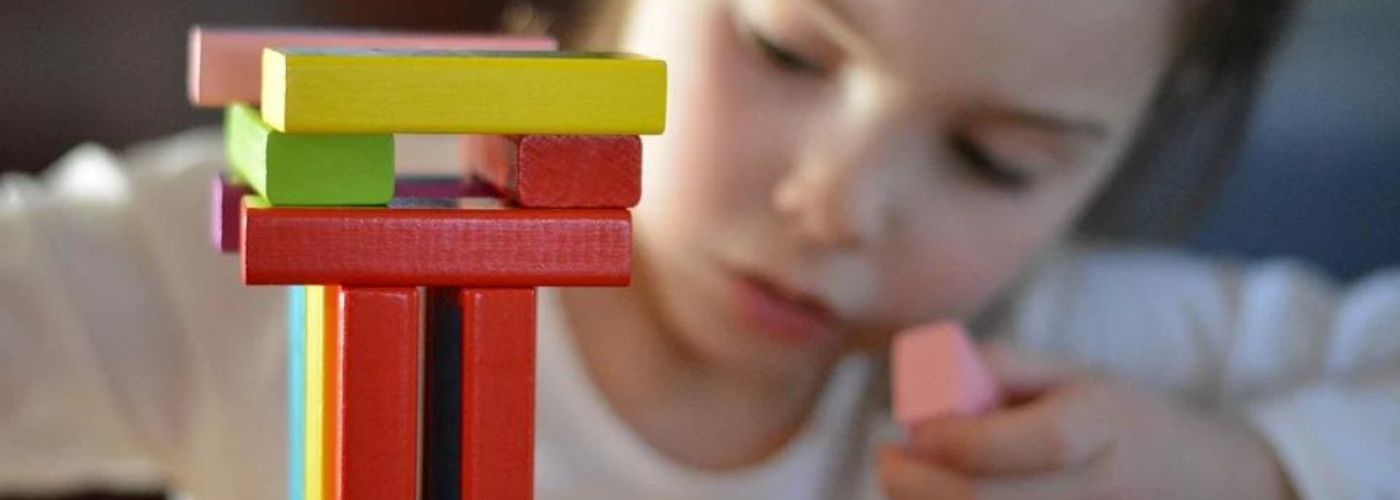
(1182, 152)
(1196, 127)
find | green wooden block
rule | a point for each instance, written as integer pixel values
(255, 201)
(309, 170)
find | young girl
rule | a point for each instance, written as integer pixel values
(833, 171)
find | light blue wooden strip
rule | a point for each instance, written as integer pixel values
(296, 392)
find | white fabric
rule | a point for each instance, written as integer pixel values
(130, 355)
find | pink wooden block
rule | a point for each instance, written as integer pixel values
(225, 65)
(936, 372)
(224, 212)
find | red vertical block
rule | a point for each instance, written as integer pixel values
(560, 171)
(498, 394)
(377, 401)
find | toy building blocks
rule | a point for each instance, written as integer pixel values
(225, 64)
(559, 171)
(296, 391)
(375, 431)
(448, 187)
(225, 202)
(405, 91)
(358, 247)
(498, 393)
(319, 354)
(936, 371)
(436, 247)
(321, 170)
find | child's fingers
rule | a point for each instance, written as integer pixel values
(1064, 428)
(1077, 484)
(904, 476)
(1023, 375)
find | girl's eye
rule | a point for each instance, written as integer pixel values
(986, 166)
(783, 57)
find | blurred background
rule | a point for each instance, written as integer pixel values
(1319, 180)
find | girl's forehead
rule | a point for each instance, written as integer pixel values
(1029, 19)
(1076, 53)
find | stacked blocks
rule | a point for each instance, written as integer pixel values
(293, 169)
(317, 91)
(535, 170)
(407, 285)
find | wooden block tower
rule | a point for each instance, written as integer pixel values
(412, 307)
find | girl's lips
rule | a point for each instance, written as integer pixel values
(786, 315)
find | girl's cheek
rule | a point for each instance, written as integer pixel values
(727, 143)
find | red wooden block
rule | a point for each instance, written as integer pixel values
(375, 435)
(498, 394)
(560, 171)
(223, 212)
(437, 247)
(227, 195)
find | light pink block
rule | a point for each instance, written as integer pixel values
(225, 65)
(936, 372)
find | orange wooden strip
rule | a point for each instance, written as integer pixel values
(330, 418)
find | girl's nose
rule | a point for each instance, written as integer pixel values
(833, 199)
(813, 205)
(838, 192)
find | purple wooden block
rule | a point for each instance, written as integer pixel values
(224, 209)
(428, 187)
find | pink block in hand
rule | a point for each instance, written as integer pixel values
(225, 65)
(936, 372)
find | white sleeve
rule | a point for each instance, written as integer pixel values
(130, 353)
(1340, 438)
(1314, 367)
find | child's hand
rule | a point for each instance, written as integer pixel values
(1072, 434)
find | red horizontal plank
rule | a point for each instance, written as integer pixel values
(560, 171)
(376, 419)
(228, 194)
(436, 247)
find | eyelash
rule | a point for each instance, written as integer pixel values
(976, 158)
(783, 57)
(985, 166)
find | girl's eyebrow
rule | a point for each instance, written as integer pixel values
(840, 24)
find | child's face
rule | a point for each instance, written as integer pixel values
(837, 169)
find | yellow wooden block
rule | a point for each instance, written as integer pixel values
(316, 411)
(461, 92)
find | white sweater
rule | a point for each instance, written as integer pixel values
(131, 355)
